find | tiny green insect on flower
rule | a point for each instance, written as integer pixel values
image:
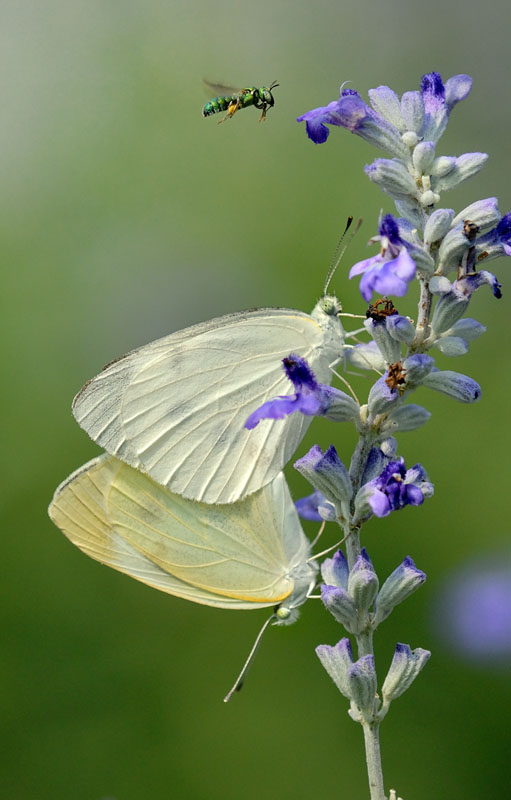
(231, 100)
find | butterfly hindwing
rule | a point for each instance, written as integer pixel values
(234, 556)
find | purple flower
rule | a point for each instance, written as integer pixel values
(497, 241)
(475, 610)
(311, 398)
(309, 507)
(426, 113)
(389, 272)
(350, 112)
(397, 487)
(439, 100)
(503, 233)
(469, 283)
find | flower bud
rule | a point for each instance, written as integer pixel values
(392, 176)
(400, 584)
(484, 213)
(455, 385)
(327, 473)
(404, 668)
(340, 605)
(448, 310)
(337, 660)
(401, 329)
(365, 356)
(361, 678)
(381, 397)
(439, 285)
(452, 346)
(363, 583)
(335, 571)
(442, 166)
(406, 418)
(389, 347)
(437, 225)
(417, 367)
(423, 157)
(467, 328)
(466, 166)
(453, 247)
(342, 407)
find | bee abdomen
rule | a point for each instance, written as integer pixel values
(216, 105)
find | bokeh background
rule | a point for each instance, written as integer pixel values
(125, 216)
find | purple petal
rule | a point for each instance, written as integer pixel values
(433, 92)
(457, 88)
(379, 503)
(414, 496)
(363, 266)
(404, 266)
(307, 507)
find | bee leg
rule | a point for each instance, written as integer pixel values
(231, 109)
(262, 118)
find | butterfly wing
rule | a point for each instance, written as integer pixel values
(234, 556)
(176, 408)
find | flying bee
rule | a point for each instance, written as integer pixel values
(231, 100)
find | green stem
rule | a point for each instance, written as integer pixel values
(373, 758)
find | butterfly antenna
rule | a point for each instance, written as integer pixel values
(339, 253)
(240, 680)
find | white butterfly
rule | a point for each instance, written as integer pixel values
(250, 554)
(176, 408)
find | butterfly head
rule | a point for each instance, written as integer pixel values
(330, 305)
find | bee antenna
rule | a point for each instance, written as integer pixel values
(337, 257)
(273, 85)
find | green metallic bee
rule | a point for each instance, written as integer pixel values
(231, 100)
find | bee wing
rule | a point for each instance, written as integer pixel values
(234, 556)
(176, 408)
(221, 88)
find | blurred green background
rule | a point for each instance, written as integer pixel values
(125, 216)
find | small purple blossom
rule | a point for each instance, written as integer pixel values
(307, 507)
(469, 283)
(389, 272)
(350, 112)
(316, 508)
(397, 487)
(439, 100)
(310, 397)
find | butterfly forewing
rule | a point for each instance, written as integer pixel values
(177, 407)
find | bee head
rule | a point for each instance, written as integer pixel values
(266, 94)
